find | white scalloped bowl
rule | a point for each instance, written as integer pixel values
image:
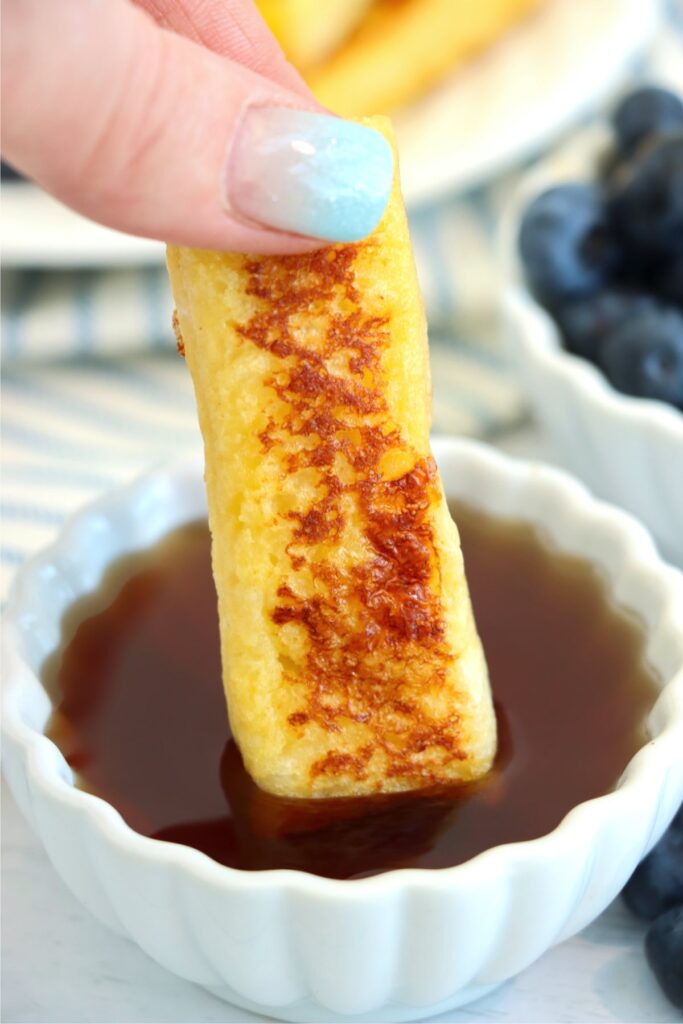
(397, 946)
(628, 450)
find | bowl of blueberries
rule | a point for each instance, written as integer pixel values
(594, 306)
(655, 893)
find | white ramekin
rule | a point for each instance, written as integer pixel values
(628, 450)
(398, 946)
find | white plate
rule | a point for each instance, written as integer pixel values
(38, 231)
(504, 107)
(521, 94)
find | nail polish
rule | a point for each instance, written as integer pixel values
(308, 173)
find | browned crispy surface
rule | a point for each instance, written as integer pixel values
(180, 344)
(386, 609)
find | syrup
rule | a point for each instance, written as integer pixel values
(140, 713)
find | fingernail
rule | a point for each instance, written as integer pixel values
(311, 174)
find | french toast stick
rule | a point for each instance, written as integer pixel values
(402, 49)
(310, 31)
(351, 658)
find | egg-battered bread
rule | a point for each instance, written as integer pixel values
(403, 48)
(310, 31)
(351, 659)
(360, 56)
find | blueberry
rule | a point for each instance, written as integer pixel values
(644, 355)
(586, 321)
(650, 111)
(648, 209)
(566, 242)
(664, 950)
(669, 282)
(657, 883)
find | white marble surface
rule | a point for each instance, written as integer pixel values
(59, 964)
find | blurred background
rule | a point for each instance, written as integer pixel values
(93, 389)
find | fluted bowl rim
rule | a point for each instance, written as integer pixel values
(498, 475)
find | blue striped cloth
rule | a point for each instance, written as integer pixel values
(74, 427)
(94, 392)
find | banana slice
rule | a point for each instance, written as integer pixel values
(351, 659)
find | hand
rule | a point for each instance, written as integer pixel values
(182, 120)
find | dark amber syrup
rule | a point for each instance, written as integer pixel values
(140, 714)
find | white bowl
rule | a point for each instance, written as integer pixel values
(397, 946)
(628, 450)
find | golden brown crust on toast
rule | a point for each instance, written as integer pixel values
(351, 658)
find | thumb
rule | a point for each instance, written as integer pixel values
(153, 134)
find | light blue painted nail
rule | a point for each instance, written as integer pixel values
(311, 174)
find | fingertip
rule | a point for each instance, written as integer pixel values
(308, 173)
